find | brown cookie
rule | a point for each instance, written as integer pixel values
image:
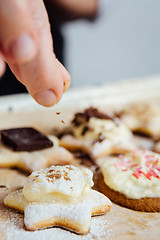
(142, 204)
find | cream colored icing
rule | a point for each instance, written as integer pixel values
(107, 127)
(136, 174)
(58, 183)
(142, 117)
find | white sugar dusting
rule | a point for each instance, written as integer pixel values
(13, 228)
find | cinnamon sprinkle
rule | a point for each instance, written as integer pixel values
(69, 168)
(65, 176)
(54, 176)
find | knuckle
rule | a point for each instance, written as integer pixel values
(40, 20)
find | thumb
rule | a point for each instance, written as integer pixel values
(17, 34)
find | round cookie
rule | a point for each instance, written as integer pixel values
(142, 204)
(132, 180)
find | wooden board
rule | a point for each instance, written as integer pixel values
(120, 223)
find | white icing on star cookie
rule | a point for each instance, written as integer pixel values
(71, 182)
(58, 183)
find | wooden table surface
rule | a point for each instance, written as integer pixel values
(119, 223)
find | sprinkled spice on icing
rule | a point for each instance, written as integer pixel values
(48, 184)
(55, 175)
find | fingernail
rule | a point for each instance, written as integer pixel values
(46, 98)
(23, 48)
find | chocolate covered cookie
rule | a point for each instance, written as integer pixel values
(25, 139)
(32, 150)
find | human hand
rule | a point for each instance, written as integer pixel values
(26, 45)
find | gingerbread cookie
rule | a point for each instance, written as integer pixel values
(29, 150)
(132, 180)
(142, 118)
(59, 196)
(98, 134)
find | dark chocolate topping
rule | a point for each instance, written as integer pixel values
(100, 138)
(3, 186)
(86, 160)
(25, 139)
(81, 118)
(86, 129)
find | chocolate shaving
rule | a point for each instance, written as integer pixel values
(81, 118)
(100, 138)
(119, 114)
(60, 135)
(86, 129)
(86, 160)
(141, 134)
(3, 186)
(25, 139)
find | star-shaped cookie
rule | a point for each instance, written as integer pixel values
(142, 118)
(13, 141)
(59, 196)
(97, 134)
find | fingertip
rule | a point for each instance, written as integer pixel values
(46, 98)
(66, 76)
(66, 85)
